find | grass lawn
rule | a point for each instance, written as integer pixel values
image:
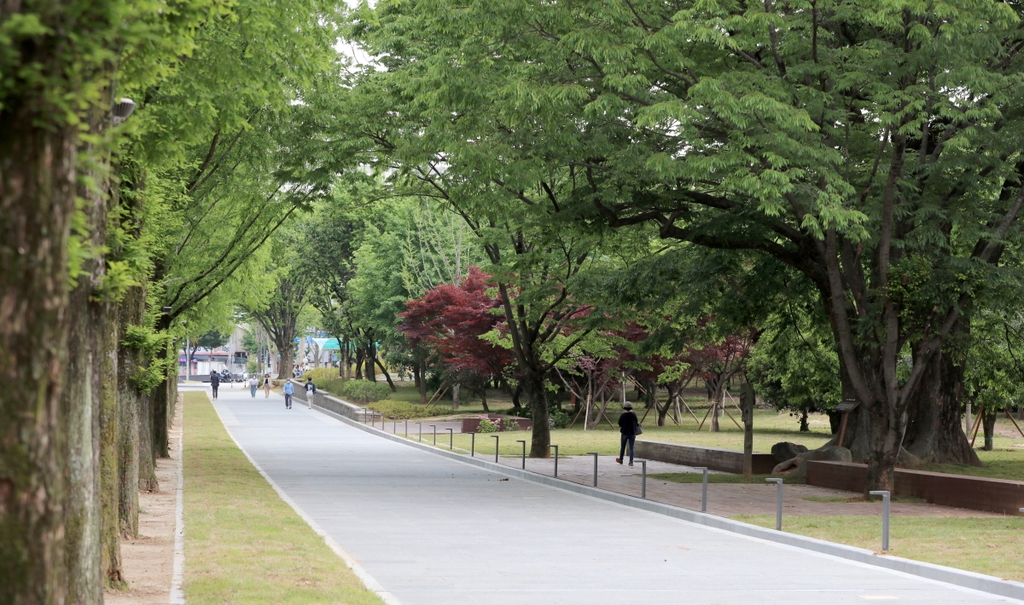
(770, 428)
(243, 544)
(1005, 461)
(993, 546)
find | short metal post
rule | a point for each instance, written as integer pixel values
(472, 445)
(704, 489)
(524, 452)
(594, 454)
(556, 462)
(885, 517)
(434, 426)
(778, 502)
(643, 482)
(406, 428)
(364, 415)
(451, 440)
(394, 425)
(496, 440)
(421, 430)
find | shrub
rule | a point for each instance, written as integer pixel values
(403, 409)
(364, 391)
(323, 375)
(332, 385)
(558, 419)
(486, 426)
(509, 424)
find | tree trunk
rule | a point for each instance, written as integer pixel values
(131, 312)
(368, 358)
(285, 343)
(483, 399)
(455, 397)
(80, 407)
(988, 423)
(533, 385)
(110, 444)
(805, 427)
(148, 432)
(422, 385)
(161, 415)
(747, 398)
(934, 433)
(387, 376)
(37, 200)
(516, 394)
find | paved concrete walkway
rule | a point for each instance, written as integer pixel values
(434, 531)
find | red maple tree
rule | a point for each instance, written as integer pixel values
(448, 322)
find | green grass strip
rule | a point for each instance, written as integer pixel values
(243, 544)
(988, 545)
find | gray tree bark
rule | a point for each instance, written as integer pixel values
(37, 199)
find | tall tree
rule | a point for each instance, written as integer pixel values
(826, 137)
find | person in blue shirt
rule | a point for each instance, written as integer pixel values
(289, 390)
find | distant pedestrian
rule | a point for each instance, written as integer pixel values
(266, 385)
(254, 384)
(627, 427)
(310, 391)
(214, 383)
(289, 390)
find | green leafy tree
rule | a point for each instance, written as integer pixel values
(867, 144)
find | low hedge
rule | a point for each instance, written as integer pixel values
(324, 375)
(356, 391)
(404, 409)
(364, 391)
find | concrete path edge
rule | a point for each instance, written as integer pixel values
(177, 595)
(364, 576)
(940, 573)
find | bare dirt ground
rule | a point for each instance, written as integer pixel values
(148, 560)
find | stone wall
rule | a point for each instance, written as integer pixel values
(329, 403)
(963, 491)
(729, 461)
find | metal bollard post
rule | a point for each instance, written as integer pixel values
(434, 426)
(451, 440)
(556, 460)
(643, 482)
(524, 452)
(704, 489)
(496, 440)
(420, 424)
(472, 445)
(394, 425)
(594, 454)
(364, 415)
(406, 428)
(885, 517)
(778, 502)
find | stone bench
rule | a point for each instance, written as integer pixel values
(729, 461)
(962, 491)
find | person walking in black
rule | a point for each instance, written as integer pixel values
(627, 427)
(214, 382)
